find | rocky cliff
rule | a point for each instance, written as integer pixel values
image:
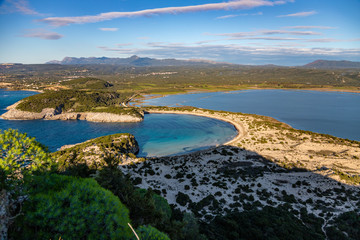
(95, 153)
(53, 114)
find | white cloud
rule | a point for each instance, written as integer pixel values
(123, 44)
(231, 51)
(266, 38)
(251, 14)
(299, 14)
(309, 27)
(109, 29)
(20, 6)
(282, 53)
(42, 33)
(327, 40)
(237, 15)
(266, 32)
(230, 5)
(227, 16)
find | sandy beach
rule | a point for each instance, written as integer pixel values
(284, 145)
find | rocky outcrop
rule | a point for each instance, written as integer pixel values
(16, 114)
(95, 153)
(54, 114)
(95, 117)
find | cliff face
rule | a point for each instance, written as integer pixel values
(53, 114)
(95, 153)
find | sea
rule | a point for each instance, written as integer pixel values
(158, 135)
(334, 113)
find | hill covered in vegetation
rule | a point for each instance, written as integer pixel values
(87, 83)
(325, 64)
(71, 100)
(170, 79)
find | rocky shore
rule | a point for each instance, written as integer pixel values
(53, 114)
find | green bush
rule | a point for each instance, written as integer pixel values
(20, 153)
(71, 208)
(182, 198)
(346, 226)
(20, 157)
(65, 100)
(268, 223)
(141, 203)
(160, 203)
(151, 233)
(87, 83)
(146, 207)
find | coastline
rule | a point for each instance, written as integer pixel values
(4, 87)
(288, 147)
(283, 144)
(271, 165)
(51, 114)
(152, 96)
(238, 126)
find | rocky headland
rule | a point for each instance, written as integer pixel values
(95, 153)
(54, 114)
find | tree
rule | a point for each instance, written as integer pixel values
(20, 155)
(146, 207)
(140, 203)
(151, 233)
(71, 208)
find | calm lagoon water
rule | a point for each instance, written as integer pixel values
(334, 113)
(157, 135)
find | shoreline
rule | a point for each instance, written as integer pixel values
(284, 145)
(50, 114)
(140, 100)
(241, 132)
(22, 89)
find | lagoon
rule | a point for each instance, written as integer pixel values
(334, 113)
(157, 135)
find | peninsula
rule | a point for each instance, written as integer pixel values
(100, 105)
(101, 115)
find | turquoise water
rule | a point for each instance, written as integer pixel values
(157, 135)
(334, 113)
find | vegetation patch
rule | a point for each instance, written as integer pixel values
(99, 152)
(71, 100)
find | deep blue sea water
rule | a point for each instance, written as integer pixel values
(335, 113)
(157, 135)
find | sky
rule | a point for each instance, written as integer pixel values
(282, 32)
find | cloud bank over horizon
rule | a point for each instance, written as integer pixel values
(235, 53)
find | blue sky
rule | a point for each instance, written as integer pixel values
(285, 32)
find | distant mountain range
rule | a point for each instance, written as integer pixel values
(152, 62)
(132, 61)
(325, 64)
